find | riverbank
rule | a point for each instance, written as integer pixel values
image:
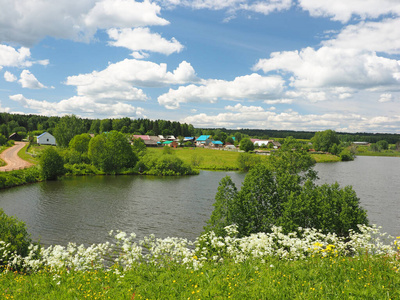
(261, 266)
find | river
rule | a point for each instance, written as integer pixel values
(85, 209)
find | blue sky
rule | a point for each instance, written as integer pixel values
(273, 64)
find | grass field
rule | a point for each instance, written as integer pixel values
(25, 156)
(205, 159)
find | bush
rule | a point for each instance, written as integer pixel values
(246, 161)
(165, 165)
(52, 164)
(346, 155)
(15, 236)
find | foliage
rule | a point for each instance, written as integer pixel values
(80, 143)
(139, 147)
(346, 155)
(51, 163)
(248, 160)
(164, 165)
(3, 139)
(81, 169)
(67, 128)
(15, 236)
(283, 193)
(246, 145)
(111, 152)
(383, 145)
(19, 177)
(325, 140)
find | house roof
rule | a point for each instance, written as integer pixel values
(217, 142)
(143, 137)
(43, 134)
(167, 142)
(203, 138)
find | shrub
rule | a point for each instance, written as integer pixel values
(246, 161)
(52, 164)
(13, 232)
(346, 155)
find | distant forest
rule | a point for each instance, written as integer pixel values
(10, 123)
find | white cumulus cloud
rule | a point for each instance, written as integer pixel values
(82, 106)
(333, 67)
(382, 36)
(343, 10)
(141, 39)
(28, 80)
(9, 77)
(118, 80)
(26, 22)
(253, 87)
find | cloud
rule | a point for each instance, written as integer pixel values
(9, 77)
(4, 109)
(10, 57)
(25, 22)
(124, 13)
(117, 81)
(28, 80)
(141, 39)
(82, 106)
(240, 116)
(253, 87)
(333, 67)
(343, 10)
(382, 36)
(231, 6)
(386, 98)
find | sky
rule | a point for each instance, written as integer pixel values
(272, 64)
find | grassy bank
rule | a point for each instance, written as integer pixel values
(261, 266)
(368, 277)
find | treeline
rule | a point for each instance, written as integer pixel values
(10, 123)
(391, 138)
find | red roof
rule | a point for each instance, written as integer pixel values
(143, 137)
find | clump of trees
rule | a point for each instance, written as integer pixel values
(283, 193)
(246, 145)
(111, 152)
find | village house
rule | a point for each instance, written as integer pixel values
(46, 139)
(203, 140)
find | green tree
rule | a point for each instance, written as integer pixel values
(382, 145)
(66, 129)
(111, 152)
(283, 193)
(51, 163)
(80, 143)
(139, 147)
(230, 140)
(105, 125)
(246, 145)
(324, 140)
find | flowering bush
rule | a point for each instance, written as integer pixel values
(126, 253)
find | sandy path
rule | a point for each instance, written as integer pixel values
(11, 158)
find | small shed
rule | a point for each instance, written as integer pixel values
(15, 137)
(46, 139)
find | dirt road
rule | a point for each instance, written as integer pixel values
(11, 158)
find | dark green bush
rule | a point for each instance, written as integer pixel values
(17, 239)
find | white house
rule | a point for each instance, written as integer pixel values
(46, 139)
